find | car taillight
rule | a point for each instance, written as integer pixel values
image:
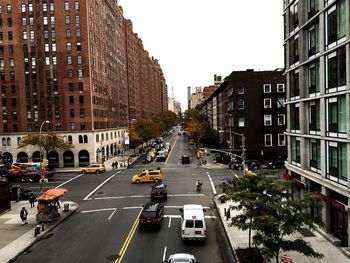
(164, 192)
(156, 219)
(205, 232)
(183, 232)
(141, 219)
(153, 193)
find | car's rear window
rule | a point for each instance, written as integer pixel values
(189, 223)
(198, 223)
(149, 214)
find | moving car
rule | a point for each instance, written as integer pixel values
(159, 191)
(278, 162)
(251, 164)
(93, 168)
(147, 159)
(181, 257)
(161, 156)
(151, 216)
(147, 176)
(185, 159)
(193, 225)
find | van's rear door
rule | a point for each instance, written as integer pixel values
(199, 228)
(188, 228)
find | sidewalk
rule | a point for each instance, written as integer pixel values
(239, 239)
(15, 238)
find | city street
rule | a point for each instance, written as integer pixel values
(104, 228)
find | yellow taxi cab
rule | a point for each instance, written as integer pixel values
(93, 168)
(147, 176)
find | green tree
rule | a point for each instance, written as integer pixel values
(145, 129)
(267, 206)
(49, 142)
(166, 119)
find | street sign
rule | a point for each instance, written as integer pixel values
(285, 259)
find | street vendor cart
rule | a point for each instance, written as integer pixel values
(48, 204)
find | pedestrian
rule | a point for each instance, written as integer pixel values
(116, 164)
(23, 214)
(32, 200)
(113, 165)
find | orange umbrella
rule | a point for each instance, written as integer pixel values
(45, 197)
(57, 192)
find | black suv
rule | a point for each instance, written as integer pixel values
(185, 159)
(151, 216)
(159, 192)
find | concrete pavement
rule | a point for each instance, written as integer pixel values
(16, 238)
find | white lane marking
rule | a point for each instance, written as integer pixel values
(98, 210)
(164, 254)
(139, 196)
(112, 214)
(69, 180)
(212, 184)
(98, 187)
(166, 162)
(132, 207)
(179, 216)
(169, 222)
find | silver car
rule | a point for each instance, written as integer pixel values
(181, 258)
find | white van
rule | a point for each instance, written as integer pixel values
(193, 225)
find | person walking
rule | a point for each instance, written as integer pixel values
(32, 200)
(116, 164)
(113, 165)
(23, 215)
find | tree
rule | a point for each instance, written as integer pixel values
(168, 119)
(267, 206)
(49, 142)
(144, 128)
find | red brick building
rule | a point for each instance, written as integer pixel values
(79, 65)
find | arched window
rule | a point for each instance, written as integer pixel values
(65, 138)
(80, 139)
(8, 141)
(19, 140)
(3, 141)
(70, 139)
(97, 137)
(85, 139)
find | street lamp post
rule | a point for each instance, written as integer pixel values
(243, 147)
(40, 155)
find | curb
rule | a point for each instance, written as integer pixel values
(223, 225)
(43, 235)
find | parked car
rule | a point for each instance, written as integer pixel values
(151, 216)
(185, 159)
(277, 162)
(159, 192)
(147, 176)
(93, 168)
(181, 257)
(252, 165)
(161, 156)
(147, 159)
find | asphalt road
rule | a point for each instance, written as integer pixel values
(104, 228)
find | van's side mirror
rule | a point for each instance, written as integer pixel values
(205, 210)
(181, 210)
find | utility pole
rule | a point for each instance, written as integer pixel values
(243, 147)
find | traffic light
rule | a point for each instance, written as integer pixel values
(45, 162)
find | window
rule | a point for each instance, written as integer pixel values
(312, 8)
(294, 117)
(77, 20)
(67, 20)
(281, 139)
(80, 138)
(337, 162)
(281, 119)
(267, 103)
(294, 50)
(72, 126)
(294, 84)
(71, 100)
(71, 113)
(80, 73)
(241, 104)
(280, 88)
(77, 32)
(315, 155)
(8, 8)
(295, 147)
(68, 33)
(69, 46)
(79, 60)
(10, 35)
(69, 60)
(314, 78)
(66, 6)
(336, 116)
(81, 99)
(9, 21)
(335, 23)
(267, 88)
(70, 139)
(240, 90)
(268, 140)
(314, 117)
(25, 35)
(267, 120)
(336, 70)
(82, 113)
(293, 16)
(76, 5)
(313, 40)
(241, 122)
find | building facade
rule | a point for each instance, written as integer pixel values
(64, 62)
(317, 53)
(250, 103)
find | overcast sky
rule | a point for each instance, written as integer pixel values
(195, 39)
